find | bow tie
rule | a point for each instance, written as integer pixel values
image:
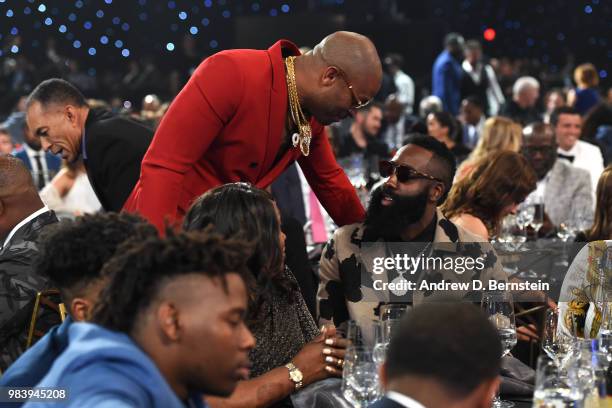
(565, 156)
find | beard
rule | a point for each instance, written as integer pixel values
(388, 222)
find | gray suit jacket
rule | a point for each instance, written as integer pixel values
(567, 187)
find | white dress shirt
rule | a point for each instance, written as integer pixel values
(586, 156)
(405, 90)
(330, 227)
(34, 166)
(404, 400)
(23, 222)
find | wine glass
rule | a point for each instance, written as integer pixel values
(538, 217)
(555, 342)
(360, 382)
(500, 309)
(524, 215)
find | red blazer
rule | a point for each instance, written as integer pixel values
(226, 125)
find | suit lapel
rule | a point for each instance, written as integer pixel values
(277, 115)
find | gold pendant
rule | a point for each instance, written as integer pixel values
(295, 139)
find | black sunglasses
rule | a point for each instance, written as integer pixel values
(402, 172)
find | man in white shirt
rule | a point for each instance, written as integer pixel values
(442, 355)
(567, 124)
(22, 218)
(403, 83)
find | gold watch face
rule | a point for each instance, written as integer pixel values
(296, 376)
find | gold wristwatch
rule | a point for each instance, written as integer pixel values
(295, 375)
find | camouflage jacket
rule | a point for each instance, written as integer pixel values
(18, 287)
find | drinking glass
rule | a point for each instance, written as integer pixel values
(554, 386)
(383, 332)
(555, 342)
(360, 382)
(392, 311)
(538, 216)
(500, 309)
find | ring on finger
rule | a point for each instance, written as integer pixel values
(340, 363)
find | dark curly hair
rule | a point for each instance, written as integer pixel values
(240, 209)
(72, 253)
(142, 268)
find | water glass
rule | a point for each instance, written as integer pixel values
(500, 309)
(360, 380)
(555, 387)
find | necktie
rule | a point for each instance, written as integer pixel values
(39, 171)
(565, 156)
(318, 224)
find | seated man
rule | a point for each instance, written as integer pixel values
(72, 254)
(22, 218)
(561, 185)
(6, 143)
(402, 220)
(170, 327)
(443, 355)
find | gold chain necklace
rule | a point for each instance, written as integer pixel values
(304, 135)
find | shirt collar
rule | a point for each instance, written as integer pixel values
(31, 152)
(404, 400)
(29, 218)
(571, 152)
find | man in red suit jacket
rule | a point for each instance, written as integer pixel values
(231, 122)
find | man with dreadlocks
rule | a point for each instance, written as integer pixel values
(22, 217)
(169, 327)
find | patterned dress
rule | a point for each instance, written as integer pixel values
(283, 326)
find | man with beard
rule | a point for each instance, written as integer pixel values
(402, 220)
(362, 138)
(562, 186)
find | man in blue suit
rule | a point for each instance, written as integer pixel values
(447, 73)
(43, 165)
(442, 355)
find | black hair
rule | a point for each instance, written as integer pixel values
(563, 110)
(448, 121)
(240, 209)
(142, 268)
(473, 45)
(56, 91)
(72, 253)
(475, 100)
(453, 40)
(369, 106)
(453, 344)
(442, 156)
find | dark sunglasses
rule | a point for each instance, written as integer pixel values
(402, 172)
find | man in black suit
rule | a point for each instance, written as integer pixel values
(443, 355)
(22, 218)
(112, 147)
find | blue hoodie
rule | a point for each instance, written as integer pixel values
(102, 368)
(34, 364)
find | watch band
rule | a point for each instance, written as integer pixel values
(295, 375)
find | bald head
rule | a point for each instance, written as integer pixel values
(18, 195)
(341, 74)
(356, 55)
(14, 177)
